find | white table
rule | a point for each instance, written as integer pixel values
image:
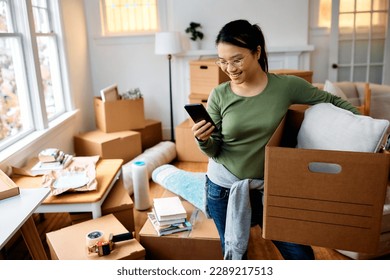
(15, 214)
(108, 172)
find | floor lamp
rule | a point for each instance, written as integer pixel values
(168, 43)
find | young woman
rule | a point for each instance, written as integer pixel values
(247, 110)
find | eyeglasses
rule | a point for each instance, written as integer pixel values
(237, 63)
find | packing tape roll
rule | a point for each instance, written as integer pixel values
(93, 237)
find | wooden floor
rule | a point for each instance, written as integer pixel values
(258, 249)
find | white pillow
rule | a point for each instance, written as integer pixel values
(327, 127)
(335, 90)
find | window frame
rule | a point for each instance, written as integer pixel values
(23, 28)
(161, 22)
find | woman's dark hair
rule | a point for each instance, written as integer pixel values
(245, 35)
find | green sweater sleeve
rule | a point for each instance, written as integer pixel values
(303, 92)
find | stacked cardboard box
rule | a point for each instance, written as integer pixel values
(124, 145)
(122, 130)
(186, 147)
(151, 134)
(204, 76)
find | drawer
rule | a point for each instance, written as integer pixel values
(205, 75)
(198, 98)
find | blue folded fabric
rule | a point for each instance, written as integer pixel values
(188, 185)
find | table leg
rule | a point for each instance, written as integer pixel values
(33, 241)
(97, 210)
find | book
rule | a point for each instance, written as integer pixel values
(168, 229)
(169, 208)
(168, 222)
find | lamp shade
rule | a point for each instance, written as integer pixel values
(167, 43)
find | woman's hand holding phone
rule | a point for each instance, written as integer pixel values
(202, 130)
(204, 125)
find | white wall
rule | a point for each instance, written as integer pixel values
(319, 38)
(78, 64)
(130, 61)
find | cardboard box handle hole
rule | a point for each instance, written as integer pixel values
(325, 167)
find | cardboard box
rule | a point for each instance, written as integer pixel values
(199, 98)
(119, 115)
(186, 147)
(150, 135)
(124, 145)
(307, 75)
(205, 75)
(118, 203)
(201, 243)
(340, 211)
(383, 249)
(7, 187)
(69, 243)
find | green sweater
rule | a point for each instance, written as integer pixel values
(247, 123)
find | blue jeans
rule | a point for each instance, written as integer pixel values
(217, 200)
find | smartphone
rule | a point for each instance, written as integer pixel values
(198, 112)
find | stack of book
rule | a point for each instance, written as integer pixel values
(169, 216)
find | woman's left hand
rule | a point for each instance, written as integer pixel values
(202, 130)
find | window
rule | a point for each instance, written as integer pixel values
(358, 11)
(31, 90)
(46, 41)
(121, 17)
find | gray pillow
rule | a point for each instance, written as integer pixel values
(327, 127)
(335, 90)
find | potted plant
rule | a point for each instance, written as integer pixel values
(193, 30)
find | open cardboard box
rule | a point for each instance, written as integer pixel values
(69, 243)
(201, 243)
(340, 211)
(7, 187)
(119, 115)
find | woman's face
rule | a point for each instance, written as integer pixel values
(238, 63)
